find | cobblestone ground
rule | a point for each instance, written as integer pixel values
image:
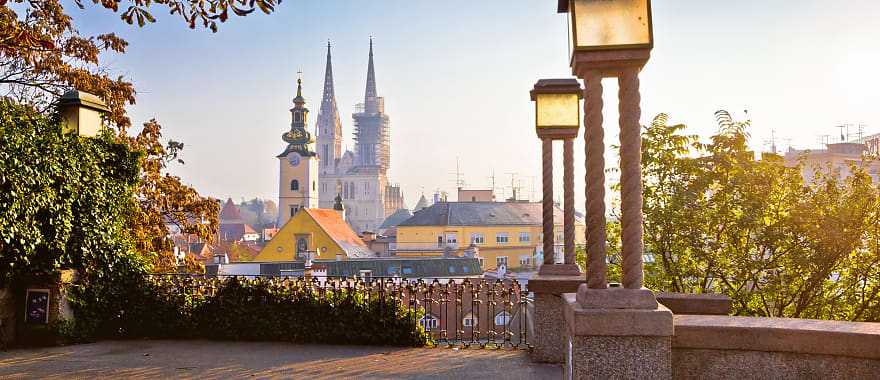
(147, 359)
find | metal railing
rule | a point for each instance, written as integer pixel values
(464, 313)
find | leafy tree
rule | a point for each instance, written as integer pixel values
(718, 220)
(42, 55)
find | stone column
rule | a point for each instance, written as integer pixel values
(631, 178)
(594, 180)
(616, 332)
(547, 200)
(568, 202)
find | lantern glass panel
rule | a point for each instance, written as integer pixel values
(557, 111)
(610, 24)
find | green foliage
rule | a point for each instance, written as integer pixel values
(63, 199)
(718, 220)
(241, 309)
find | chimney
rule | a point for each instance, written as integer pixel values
(81, 113)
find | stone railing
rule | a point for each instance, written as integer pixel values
(710, 346)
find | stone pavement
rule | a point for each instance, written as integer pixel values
(164, 359)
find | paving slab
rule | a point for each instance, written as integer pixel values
(163, 359)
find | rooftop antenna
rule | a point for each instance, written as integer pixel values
(787, 144)
(772, 141)
(492, 177)
(841, 127)
(513, 186)
(459, 176)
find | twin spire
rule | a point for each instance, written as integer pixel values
(328, 102)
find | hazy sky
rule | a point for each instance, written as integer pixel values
(456, 74)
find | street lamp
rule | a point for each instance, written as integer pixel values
(608, 24)
(82, 112)
(611, 38)
(557, 107)
(557, 117)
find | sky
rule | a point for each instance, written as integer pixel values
(455, 76)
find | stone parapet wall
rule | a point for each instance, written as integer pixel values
(748, 347)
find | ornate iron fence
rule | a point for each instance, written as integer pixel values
(464, 313)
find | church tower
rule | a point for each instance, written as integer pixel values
(372, 125)
(328, 128)
(299, 164)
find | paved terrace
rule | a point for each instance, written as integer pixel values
(155, 359)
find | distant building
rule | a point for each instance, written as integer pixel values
(359, 177)
(836, 157)
(315, 233)
(474, 195)
(504, 233)
(232, 226)
(413, 268)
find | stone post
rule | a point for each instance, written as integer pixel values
(615, 332)
(553, 280)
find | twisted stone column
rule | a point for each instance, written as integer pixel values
(547, 201)
(595, 180)
(631, 178)
(568, 190)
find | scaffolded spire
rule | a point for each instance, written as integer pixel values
(371, 97)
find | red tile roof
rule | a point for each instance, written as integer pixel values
(333, 224)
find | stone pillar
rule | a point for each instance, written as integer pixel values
(615, 332)
(549, 340)
(547, 200)
(594, 146)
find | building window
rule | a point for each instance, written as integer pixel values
(501, 260)
(524, 237)
(293, 210)
(501, 238)
(429, 322)
(525, 260)
(502, 319)
(469, 320)
(407, 270)
(294, 185)
(477, 239)
(473, 199)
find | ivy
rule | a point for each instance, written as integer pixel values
(64, 199)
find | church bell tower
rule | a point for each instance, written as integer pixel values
(299, 164)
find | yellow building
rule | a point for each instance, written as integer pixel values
(506, 233)
(321, 233)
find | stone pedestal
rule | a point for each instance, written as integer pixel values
(548, 338)
(617, 333)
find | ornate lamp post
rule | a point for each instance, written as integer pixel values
(611, 38)
(557, 116)
(614, 332)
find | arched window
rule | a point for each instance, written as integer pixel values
(502, 318)
(294, 185)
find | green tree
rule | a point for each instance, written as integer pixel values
(719, 220)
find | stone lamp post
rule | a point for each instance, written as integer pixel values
(619, 332)
(557, 117)
(82, 113)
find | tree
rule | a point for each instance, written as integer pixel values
(42, 55)
(718, 220)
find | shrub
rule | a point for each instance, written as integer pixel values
(241, 309)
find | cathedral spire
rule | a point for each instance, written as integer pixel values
(371, 100)
(328, 103)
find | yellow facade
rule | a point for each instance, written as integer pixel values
(415, 241)
(282, 247)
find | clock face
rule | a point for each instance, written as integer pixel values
(293, 158)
